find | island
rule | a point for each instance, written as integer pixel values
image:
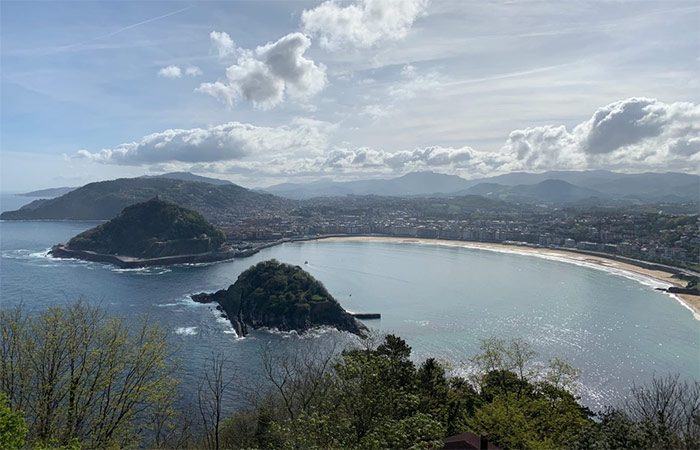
(282, 296)
(155, 232)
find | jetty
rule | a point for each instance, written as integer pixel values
(366, 316)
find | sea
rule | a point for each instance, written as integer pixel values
(615, 327)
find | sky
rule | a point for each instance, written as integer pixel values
(265, 92)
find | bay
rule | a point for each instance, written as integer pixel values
(442, 300)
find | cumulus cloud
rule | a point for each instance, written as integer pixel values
(222, 43)
(177, 72)
(230, 141)
(193, 71)
(270, 73)
(170, 72)
(637, 133)
(630, 135)
(362, 23)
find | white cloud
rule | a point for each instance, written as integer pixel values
(230, 141)
(632, 134)
(413, 82)
(270, 73)
(636, 134)
(377, 111)
(362, 23)
(405, 160)
(193, 71)
(223, 44)
(170, 72)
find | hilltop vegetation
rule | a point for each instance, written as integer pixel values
(151, 229)
(105, 199)
(73, 378)
(282, 296)
(377, 397)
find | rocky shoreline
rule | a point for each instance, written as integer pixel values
(242, 321)
(277, 295)
(127, 262)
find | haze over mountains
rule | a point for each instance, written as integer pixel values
(185, 176)
(103, 200)
(522, 187)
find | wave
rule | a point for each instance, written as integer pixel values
(182, 302)
(186, 331)
(26, 254)
(152, 270)
(224, 323)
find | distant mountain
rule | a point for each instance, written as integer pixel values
(187, 176)
(579, 178)
(48, 193)
(600, 184)
(105, 199)
(651, 186)
(639, 187)
(545, 192)
(411, 184)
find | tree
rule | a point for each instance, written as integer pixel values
(210, 397)
(500, 359)
(667, 411)
(663, 414)
(524, 407)
(81, 376)
(13, 430)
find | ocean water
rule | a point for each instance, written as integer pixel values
(442, 300)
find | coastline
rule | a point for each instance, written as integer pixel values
(692, 302)
(127, 262)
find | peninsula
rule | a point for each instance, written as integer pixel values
(276, 295)
(154, 232)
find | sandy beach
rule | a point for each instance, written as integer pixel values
(692, 302)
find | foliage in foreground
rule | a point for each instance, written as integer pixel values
(83, 379)
(73, 378)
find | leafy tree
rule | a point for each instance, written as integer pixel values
(83, 378)
(667, 412)
(151, 229)
(13, 430)
(525, 407)
(614, 431)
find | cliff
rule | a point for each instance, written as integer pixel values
(152, 229)
(275, 295)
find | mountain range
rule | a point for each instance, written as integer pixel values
(210, 196)
(103, 200)
(185, 176)
(554, 187)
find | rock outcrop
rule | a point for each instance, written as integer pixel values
(275, 295)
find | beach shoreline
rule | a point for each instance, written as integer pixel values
(692, 302)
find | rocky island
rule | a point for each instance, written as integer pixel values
(150, 233)
(276, 295)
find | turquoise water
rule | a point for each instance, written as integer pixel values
(441, 299)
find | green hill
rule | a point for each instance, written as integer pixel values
(282, 296)
(151, 229)
(105, 199)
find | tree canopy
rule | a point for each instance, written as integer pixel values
(151, 229)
